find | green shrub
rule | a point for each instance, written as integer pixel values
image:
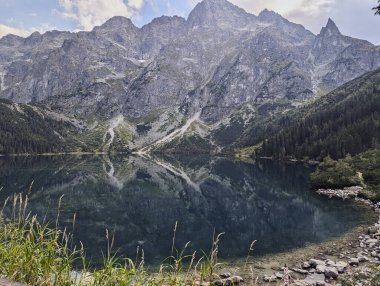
(360, 170)
(334, 174)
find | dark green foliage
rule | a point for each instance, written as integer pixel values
(192, 144)
(368, 164)
(228, 134)
(143, 128)
(362, 169)
(269, 120)
(28, 131)
(335, 174)
(346, 121)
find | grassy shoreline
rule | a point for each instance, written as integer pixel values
(43, 255)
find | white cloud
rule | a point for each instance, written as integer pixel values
(136, 4)
(5, 30)
(42, 28)
(91, 13)
(308, 7)
(311, 13)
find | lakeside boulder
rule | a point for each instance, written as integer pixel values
(331, 272)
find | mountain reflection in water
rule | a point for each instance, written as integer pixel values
(141, 200)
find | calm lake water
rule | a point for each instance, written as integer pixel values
(141, 200)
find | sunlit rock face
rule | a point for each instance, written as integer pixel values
(218, 59)
(141, 201)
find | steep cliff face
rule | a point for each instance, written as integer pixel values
(337, 59)
(217, 61)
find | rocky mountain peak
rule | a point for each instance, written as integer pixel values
(118, 22)
(33, 39)
(297, 32)
(11, 40)
(217, 12)
(330, 29)
(268, 16)
(166, 20)
(215, 3)
(218, 59)
(160, 24)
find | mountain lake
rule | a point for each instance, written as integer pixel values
(140, 201)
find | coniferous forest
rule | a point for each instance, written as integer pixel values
(25, 130)
(346, 121)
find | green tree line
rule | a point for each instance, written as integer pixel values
(346, 121)
(28, 131)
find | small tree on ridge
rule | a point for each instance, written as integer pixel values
(377, 9)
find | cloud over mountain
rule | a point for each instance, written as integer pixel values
(90, 13)
(5, 30)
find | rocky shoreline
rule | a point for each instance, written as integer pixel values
(345, 193)
(350, 267)
(347, 261)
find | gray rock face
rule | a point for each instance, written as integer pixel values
(337, 58)
(331, 272)
(217, 60)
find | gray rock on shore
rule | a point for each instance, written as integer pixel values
(306, 265)
(373, 229)
(316, 262)
(229, 281)
(353, 261)
(270, 278)
(321, 268)
(331, 272)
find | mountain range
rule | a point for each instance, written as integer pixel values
(201, 81)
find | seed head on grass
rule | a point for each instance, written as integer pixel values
(58, 211)
(174, 234)
(251, 248)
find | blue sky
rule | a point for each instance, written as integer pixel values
(25, 15)
(22, 17)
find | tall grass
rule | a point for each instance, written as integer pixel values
(39, 255)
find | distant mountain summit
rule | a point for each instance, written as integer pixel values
(211, 13)
(331, 29)
(216, 63)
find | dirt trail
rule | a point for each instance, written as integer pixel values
(113, 123)
(176, 133)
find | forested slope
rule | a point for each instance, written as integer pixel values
(346, 121)
(32, 129)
